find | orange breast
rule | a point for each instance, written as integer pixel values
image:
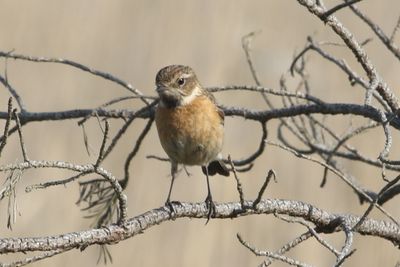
(191, 134)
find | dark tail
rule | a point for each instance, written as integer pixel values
(214, 167)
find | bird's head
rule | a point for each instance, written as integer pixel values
(177, 85)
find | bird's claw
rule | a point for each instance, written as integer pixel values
(170, 205)
(211, 208)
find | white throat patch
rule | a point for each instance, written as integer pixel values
(188, 99)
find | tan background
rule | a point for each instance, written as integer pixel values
(132, 40)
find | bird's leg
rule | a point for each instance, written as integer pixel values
(174, 170)
(186, 171)
(209, 202)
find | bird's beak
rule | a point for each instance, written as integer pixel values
(161, 89)
(168, 96)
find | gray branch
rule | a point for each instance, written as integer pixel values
(137, 225)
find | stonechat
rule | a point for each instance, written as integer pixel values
(189, 124)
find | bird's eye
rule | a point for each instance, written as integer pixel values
(180, 81)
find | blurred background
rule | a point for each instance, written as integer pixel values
(133, 40)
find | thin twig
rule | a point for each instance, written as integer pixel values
(354, 78)
(357, 50)
(238, 183)
(388, 136)
(13, 92)
(21, 139)
(395, 30)
(341, 176)
(376, 200)
(387, 41)
(263, 90)
(258, 152)
(288, 246)
(311, 231)
(342, 141)
(246, 45)
(77, 65)
(338, 7)
(131, 155)
(29, 260)
(112, 102)
(103, 144)
(271, 173)
(269, 254)
(7, 125)
(54, 183)
(373, 85)
(125, 127)
(89, 168)
(85, 139)
(345, 252)
(157, 158)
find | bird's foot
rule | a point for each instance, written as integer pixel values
(170, 205)
(211, 207)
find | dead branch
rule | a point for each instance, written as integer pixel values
(139, 224)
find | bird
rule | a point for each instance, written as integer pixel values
(190, 125)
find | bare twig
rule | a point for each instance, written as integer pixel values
(157, 158)
(338, 7)
(388, 137)
(271, 173)
(13, 92)
(131, 155)
(258, 152)
(311, 231)
(90, 168)
(361, 56)
(112, 102)
(342, 141)
(246, 44)
(103, 144)
(341, 176)
(395, 30)
(29, 260)
(345, 252)
(77, 65)
(269, 254)
(376, 200)
(354, 78)
(21, 139)
(288, 246)
(387, 41)
(7, 125)
(238, 183)
(264, 90)
(85, 139)
(54, 183)
(139, 113)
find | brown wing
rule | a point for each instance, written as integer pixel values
(219, 110)
(221, 114)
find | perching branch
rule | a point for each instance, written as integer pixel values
(139, 224)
